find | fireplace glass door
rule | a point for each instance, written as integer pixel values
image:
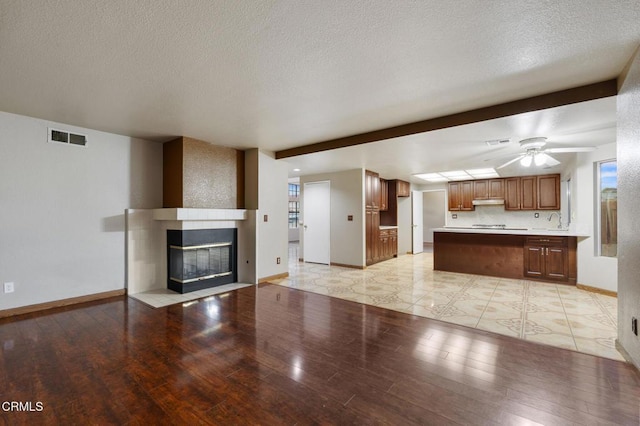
(195, 263)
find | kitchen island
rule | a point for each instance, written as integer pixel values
(538, 254)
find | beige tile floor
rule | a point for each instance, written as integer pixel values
(166, 297)
(557, 315)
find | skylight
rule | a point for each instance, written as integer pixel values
(458, 175)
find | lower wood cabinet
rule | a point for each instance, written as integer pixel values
(372, 236)
(543, 258)
(546, 258)
(388, 244)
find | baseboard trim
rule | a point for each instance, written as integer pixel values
(60, 303)
(272, 277)
(344, 265)
(597, 290)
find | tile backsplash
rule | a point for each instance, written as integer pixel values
(497, 215)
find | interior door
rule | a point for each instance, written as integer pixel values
(317, 224)
(416, 222)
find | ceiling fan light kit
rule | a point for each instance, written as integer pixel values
(535, 154)
(525, 161)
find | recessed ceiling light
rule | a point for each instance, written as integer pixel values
(480, 171)
(296, 170)
(429, 176)
(486, 175)
(455, 174)
(458, 175)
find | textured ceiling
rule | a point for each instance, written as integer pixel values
(279, 74)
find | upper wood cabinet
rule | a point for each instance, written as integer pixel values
(532, 193)
(528, 193)
(488, 189)
(512, 193)
(403, 188)
(372, 189)
(384, 195)
(549, 192)
(461, 196)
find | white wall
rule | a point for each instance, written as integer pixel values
(433, 213)
(347, 198)
(404, 226)
(593, 271)
(628, 135)
(62, 219)
(273, 201)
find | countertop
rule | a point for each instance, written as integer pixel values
(512, 231)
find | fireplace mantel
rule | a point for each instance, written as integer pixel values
(182, 214)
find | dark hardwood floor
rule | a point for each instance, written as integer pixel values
(273, 355)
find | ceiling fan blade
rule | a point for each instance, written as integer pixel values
(572, 149)
(549, 160)
(500, 157)
(511, 161)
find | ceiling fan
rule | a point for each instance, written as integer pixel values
(534, 152)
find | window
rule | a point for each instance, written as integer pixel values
(608, 208)
(294, 190)
(294, 205)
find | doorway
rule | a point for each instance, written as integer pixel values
(317, 222)
(433, 215)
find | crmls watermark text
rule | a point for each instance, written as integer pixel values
(22, 406)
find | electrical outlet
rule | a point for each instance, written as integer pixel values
(278, 260)
(9, 287)
(634, 325)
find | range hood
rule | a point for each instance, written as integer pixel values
(492, 202)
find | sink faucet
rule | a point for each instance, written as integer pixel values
(559, 218)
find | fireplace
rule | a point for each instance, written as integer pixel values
(201, 258)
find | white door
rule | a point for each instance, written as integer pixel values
(416, 221)
(317, 224)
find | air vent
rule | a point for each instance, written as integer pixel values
(498, 142)
(60, 136)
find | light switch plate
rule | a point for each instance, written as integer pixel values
(9, 287)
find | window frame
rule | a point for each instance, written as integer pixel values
(598, 200)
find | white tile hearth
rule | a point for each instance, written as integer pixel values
(166, 297)
(557, 315)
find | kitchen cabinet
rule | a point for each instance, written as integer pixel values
(403, 188)
(388, 243)
(384, 244)
(461, 196)
(381, 208)
(372, 189)
(512, 193)
(372, 225)
(384, 195)
(389, 217)
(549, 192)
(393, 242)
(532, 193)
(488, 189)
(546, 258)
(372, 217)
(528, 193)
